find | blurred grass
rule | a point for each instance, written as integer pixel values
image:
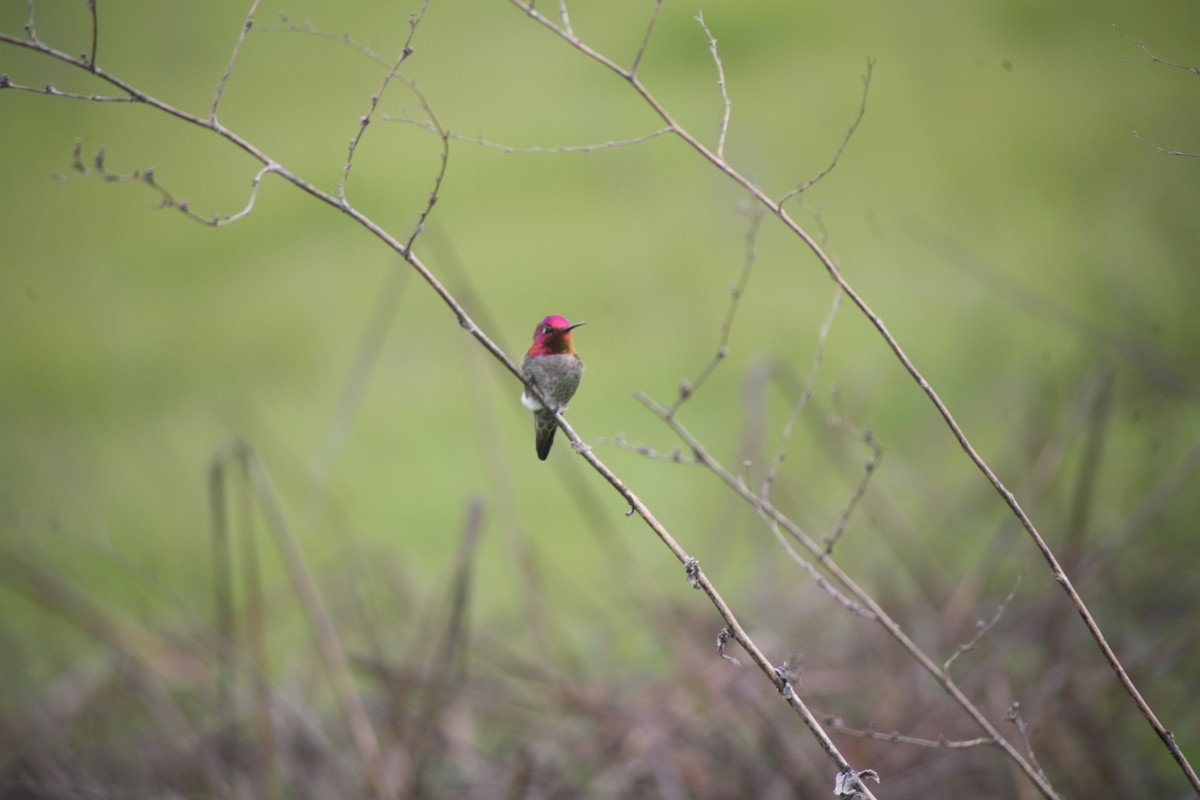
(993, 208)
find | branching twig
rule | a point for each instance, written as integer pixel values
(860, 596)
(243, 144)
(99, 168)
(699, 579)
(1157, 60)
(257, 474)
(566, 19)
(917, 376)
(1151, 57)
(365, 120)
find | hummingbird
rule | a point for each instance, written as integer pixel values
(552, 365)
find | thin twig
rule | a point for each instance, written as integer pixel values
(833, 162)
(676, 456)
(981, 627)
(809, 382)
(1153, 58)
(1157, 60)
(30, 23)
(308, 28)
(7, 83)
(688, 388)
(712, 48)
(637, 59)
(823, 583)
(99, 168)
(869, 468)
(895, 737)
(393, 74)
(444, 162)
(1014, 716)
(1164, 150)
(233, 57)
(566, 19)
(646, 37)
(95, 30)
(505, 148)
(241, 143)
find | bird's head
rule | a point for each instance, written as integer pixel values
(553, 335)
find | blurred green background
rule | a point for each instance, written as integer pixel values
(1029, 253)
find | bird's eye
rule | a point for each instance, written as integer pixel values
(547, 329)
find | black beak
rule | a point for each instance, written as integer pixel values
(574, 326)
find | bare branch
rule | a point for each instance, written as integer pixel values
(676, 456)
(737, 632)
(365, 120)
(344, 38)
(778, 678)
(940, 743)
(712, 48)
(1164, 150)
(566, 19)
(854, 607)
(689, 388)
(95, 30)
(99, 168)
(869, 467)
(637, 59)
(766, 509)
(981, 627)
(1014, 716)
(30, 23)
(862, 112)
(806, 395)
(956, 430)
(547, 150)
(237, 49)
(441, 174)
(53, 91)
(1153, 58)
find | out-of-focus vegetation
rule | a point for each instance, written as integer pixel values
(1036, 260)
